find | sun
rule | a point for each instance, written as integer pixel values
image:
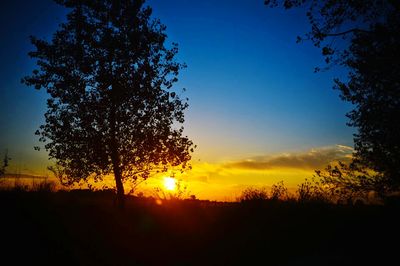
(169, 183)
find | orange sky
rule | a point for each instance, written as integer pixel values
(224, 180)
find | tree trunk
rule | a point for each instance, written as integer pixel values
(116, 160)
(118, 182)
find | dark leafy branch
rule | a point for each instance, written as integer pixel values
(369, 48)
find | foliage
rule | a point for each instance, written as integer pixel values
(111, 109)
(333, 20)
(374, 88)
(181, 191)
(279, 192)
(4, 166)
(252, 194)
(363, 37)
(44, 186)
(336, 184)
(349, 182)
(312, 191)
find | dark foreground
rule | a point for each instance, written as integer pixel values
(83, 228)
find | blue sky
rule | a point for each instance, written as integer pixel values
(251, 88)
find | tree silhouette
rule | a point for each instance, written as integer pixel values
(371, 52)
(347, 182)
(4, 165)
(111, 108)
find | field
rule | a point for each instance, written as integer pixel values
(85, 228)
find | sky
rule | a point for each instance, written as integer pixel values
(257, 111)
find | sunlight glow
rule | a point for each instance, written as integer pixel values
(158, 202)
(169, 183)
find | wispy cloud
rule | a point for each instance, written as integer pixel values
(313, 159)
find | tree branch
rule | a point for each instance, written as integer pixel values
(345, 32)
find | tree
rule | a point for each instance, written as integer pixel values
(362, 36)
(348, 182)
(4, 166)
(111, 108)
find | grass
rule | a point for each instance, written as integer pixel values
(85, 228)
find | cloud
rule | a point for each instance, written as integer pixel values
(226, 180)
(200, 178)
(313, 159)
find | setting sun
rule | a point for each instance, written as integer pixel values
(169, 183)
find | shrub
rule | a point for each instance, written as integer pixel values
(279, 192)
(253, 194)
(44, 186)
(312, 191)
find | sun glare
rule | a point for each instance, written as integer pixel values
(169, 183)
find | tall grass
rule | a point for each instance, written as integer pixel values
(310, 191)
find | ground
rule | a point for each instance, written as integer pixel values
(86, 228)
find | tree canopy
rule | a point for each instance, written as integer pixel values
(362, 35)
(111, 108)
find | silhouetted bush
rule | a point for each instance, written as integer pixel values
(4, 165)
(18, 187)
(44, 186)
(279, 192)
(312, 191)
(252, 194)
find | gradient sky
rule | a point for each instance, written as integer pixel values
(256, 107)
